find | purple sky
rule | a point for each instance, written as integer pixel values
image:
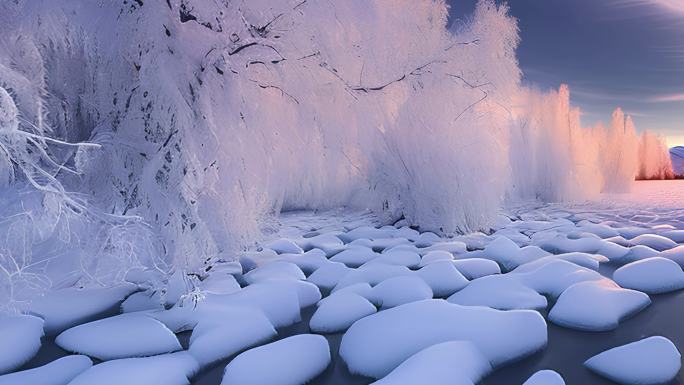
(627, 53)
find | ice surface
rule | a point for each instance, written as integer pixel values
(447, 363)
(545, 377)
(473, 268)
(291, 361)
(166, 369)
(19, 340)
(62, 309)
(400, 290)
(377, 344)
(652, 275)
(122, 336)
(57, 372)
(651, 361)
(596, 306)
(501, 292)
(339, 311)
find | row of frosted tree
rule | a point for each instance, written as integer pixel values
(168, 134)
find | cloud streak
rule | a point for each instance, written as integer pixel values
(669, 98)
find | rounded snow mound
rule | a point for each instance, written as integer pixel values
(377, 344)
(651, 361)
(545, 377)
(122, 336)
(291, 361)
(653, 275)
(19, 340)
(453, 362)
(339, 311)
(57, 372)
(596, 306)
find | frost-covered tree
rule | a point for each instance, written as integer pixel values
(168, 134)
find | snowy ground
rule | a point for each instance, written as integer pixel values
(333, 299)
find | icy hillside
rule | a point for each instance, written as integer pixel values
(169, 134)
(677, 156)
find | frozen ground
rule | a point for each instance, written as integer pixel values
(398, 307)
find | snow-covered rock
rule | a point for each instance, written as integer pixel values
(654, 241)
(435, 255)
(19, 340)
(377, 344)
(62, 309)
(447, 363)
(166, 369)
(142, 301)
(308, 262)
(57, 372)
(452, 247)
(589, 261)
(501, 292)
(227, 331)
(372, 274)
(339, 311)
(284, 246)
(652, 275)
(274, 298)
(363, 289)
(122, 336)
(274, 270)
(355, 256)
(291, 361)
(596, 306)
(473, 268)
(639, 252)
(545, 377)
(368, 232)
(651, 361)
(442, 277)
(675, 254)
(329, 243)
(675, 235)
(406, 258)
(554, 277)
(220, 283)
(400, 290)
(327, 276)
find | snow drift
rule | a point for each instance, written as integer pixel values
(167, 134)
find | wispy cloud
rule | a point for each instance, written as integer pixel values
(676, 6)
(672, 5)
(668, 98)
